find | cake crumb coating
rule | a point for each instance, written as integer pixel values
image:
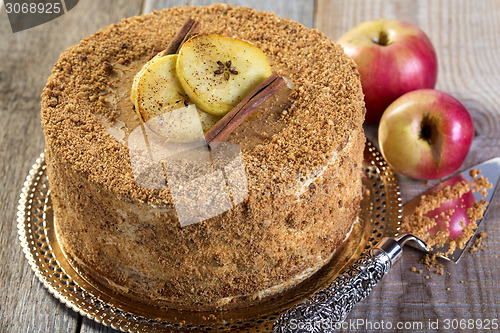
(129, 237)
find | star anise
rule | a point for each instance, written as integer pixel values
(226, 69)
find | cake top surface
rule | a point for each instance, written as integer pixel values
(326, 102)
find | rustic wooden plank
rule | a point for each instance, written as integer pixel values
(27, 60)
(466, 37)
(300, 11)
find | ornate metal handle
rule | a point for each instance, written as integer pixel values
(332, 304)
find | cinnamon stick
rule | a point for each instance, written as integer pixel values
(189, 29)
(244, 109)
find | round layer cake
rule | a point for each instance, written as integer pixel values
(302, 153)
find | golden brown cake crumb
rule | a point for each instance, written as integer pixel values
(431, 261)
(478, 243)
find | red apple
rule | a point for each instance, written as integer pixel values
(393, 58)
(425, 134)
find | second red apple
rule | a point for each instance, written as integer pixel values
(425, 134)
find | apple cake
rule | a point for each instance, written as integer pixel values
(301, 152)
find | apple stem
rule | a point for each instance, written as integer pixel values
(383, 39)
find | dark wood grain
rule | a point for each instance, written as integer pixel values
(27, 59)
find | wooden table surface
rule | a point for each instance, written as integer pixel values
(466, 34)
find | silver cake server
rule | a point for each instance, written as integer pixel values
(331, 305)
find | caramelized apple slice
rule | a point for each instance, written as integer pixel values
(156, 90)
(217, 72)
(133, 91)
